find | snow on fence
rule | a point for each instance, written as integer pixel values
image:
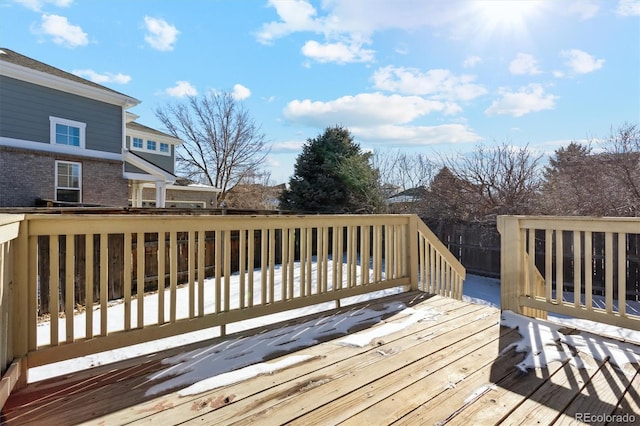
(537, 276)
(234, 267)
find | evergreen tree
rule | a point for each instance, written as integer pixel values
(333, 175)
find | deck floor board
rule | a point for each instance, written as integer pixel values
(449, 368)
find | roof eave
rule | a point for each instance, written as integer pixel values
(40, 78)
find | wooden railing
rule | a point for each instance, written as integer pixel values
(580, 267)
(9, 227)
(281, 263)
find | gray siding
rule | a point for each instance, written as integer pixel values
(25, 109)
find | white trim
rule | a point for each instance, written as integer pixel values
(140, 176)
(187, 188)
(153, 136)
(145, 144)
(59, 149)
(65, 85)
(53, 121)
(56, 186)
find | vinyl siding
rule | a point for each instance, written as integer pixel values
(25, 109)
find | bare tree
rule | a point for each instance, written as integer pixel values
(581, 180)
(497, 180)
(222, 143)
(404, 171)
(622, 158)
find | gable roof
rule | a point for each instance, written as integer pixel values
(27, 69)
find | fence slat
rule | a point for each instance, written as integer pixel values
(127, 281)
(141, 264)
(608, 283)
(54, 287)
(622, 274)
(88, 282)
(104, 282)
(162, 257)
(577, 269)
(588, 270)
(192, 273)
(69, 286)
(173, 275)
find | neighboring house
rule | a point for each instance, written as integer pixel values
(67, 140)
(408, 200)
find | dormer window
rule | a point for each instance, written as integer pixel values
(138, 143)
(150, 145)
(67, 132)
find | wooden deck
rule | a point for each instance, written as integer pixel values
(447, 369)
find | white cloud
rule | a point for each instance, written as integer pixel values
(581, 62)
(240, 92)
(181, 89)
(287, 146)
(63, 32)
(160, 34)
(365, 109)
(628, 8)
(524, 64)
(37, 5)
(531, 98)
(417, 135)
(295, 15)
(337, 52)
(102, 78)
(471, 61)
(439, 83)
(584, 9)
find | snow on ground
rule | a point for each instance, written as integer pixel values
(240, 357)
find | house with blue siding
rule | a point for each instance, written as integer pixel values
(69, 141)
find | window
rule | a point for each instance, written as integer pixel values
(68, 180)
(164, 147)
(151, 145)
(67, 132)
(138, 143)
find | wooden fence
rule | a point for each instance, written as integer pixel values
(283, 263)
(537, 275)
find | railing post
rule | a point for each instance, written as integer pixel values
(511, 263)
(413, 252)
(20, 311)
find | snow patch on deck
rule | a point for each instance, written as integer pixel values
(543, 343)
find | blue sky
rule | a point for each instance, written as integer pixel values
(434, 77)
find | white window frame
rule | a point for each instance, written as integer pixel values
(145, 144)
(79, 188)
(53, 121)
(140, 148)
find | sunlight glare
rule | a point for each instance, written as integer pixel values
(506, 15)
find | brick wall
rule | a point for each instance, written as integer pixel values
(27, 175)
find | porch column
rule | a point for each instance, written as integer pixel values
(161, 193)
(136, 194)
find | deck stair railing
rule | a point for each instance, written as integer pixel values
(582, 267)
(199, 271)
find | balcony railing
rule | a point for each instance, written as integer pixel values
(581, 267)
(234, 268)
